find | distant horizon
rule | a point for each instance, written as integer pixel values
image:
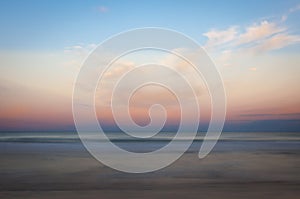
(252, 126)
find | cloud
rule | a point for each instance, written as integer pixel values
(119, 69)
(80, 49)
(122, 66)
(256, 38)
(252, 69)
(276, 42)
(77, 53)
(102, 9)
(256, 32)
(146, 96)
(285, 16)
(285, 115)
(294, 9)
(216, 37)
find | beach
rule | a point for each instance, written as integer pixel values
(150, 99)
(265, 166)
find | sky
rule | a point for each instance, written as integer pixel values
(255, 46)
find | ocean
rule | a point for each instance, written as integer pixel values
(241, 165)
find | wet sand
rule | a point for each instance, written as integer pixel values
(66, 170)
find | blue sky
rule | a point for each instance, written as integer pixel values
(48, 25)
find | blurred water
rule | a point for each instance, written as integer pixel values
(228, 141)
(242, 165)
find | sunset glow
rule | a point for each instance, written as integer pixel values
(257, 56)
